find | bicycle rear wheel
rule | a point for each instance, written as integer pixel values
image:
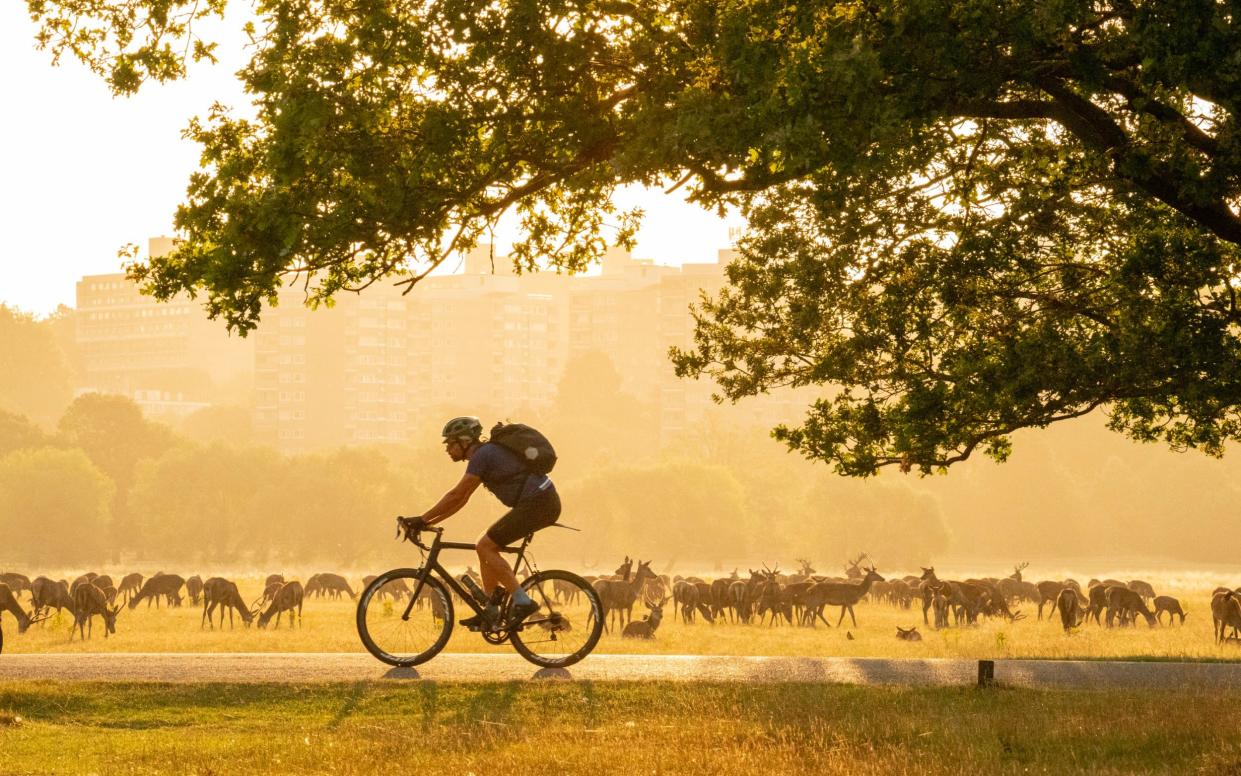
(567, 625)
(400, 641)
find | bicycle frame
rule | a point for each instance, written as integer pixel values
(433, 566)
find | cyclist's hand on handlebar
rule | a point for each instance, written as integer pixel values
(409, 526)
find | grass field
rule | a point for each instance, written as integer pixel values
(564, 728)
(328, 626)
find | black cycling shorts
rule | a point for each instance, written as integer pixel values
(532, 513)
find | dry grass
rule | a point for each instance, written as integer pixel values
(328, 626)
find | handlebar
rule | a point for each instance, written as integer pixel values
(413, 528)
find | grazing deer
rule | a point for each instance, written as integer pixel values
(335, 586)
(288, 598)
(842, 594)
(1071, 610)
(18, 583)
(1166, 603)
(1126, 604)
(220, 592)
(911, 634)
(130, 584)
(48, 593)
(89, 602)
(619, 595)
(1049, 592)
(645, 628)
(8, 603)
(1142, 588)
(1225, 614)
(194, 588)
(166, 586)
(82, 580)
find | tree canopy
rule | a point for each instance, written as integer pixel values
(964, 217)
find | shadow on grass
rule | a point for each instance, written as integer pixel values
(352, 700)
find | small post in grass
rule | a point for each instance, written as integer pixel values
(986, 673)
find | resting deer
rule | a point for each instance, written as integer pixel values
(288, 598)
(8, 603)
(1166, 603)
(220, 592)
(911, 634)
(842, 594)
(157, 587)
(89, 602)
(645, 628)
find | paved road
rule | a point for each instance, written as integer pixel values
(352, 667)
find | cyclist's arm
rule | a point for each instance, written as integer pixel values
(452, 501)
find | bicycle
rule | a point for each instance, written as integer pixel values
(564, 630)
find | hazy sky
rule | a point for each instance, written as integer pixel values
(84, 173)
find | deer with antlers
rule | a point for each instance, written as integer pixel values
(46, 594)
(645, 628)
(88, 603)
(288, 598)
(8, 603)
(853, 568)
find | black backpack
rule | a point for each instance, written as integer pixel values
(531, 447)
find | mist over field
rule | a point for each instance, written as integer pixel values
(90, 482)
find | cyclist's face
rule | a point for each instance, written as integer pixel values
(455, 449)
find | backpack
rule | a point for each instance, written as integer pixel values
(527, 444)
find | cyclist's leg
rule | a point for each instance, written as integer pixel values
(528, 516)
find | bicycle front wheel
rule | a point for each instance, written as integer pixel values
(389, 635)
(567, 625)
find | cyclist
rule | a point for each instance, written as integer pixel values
(532, 501)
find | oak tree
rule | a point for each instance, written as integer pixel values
(965, 217)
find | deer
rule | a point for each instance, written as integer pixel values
(89, 602)
(159, 586)
(1225, 614)
(130, 584)
(645, 628)
(842, 594)
(220, 592)
(1072, 613)
(1127, 604)
(288, 598)
(939, 605)
(18, 583)
(1049, 591)
(334, 585)
(853, 568)
(194, 588)
(1142, 588)
(48, 593)
(8, 603)
(1166, 603)
(910, 634)
(619, 595)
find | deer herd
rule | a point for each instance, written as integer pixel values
(770, 597)
(766, 597)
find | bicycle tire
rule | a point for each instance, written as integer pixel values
(589, 614)
(371, 594)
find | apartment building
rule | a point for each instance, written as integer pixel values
(166, 356)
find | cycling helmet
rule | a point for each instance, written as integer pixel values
(464, 426)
